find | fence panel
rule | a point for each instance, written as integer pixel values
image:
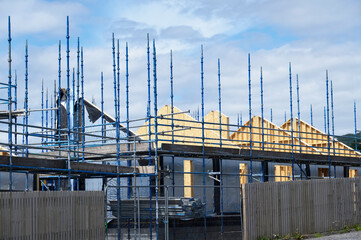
(288, 208)
(52, 215)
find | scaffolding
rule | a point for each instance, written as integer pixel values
(140, 162)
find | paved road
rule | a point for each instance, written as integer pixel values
(344, 236)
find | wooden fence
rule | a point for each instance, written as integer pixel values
(52, 215)
(300, 207)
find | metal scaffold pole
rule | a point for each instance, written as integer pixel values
(333, 129)
(68, 101)
(203, 149)
(299, 120)
(118, 79)
(355, 123)
(156, 137)
(42, 114)
(262, 126)
(26, 101)
(149, 137)
(117, 138)
(55, 94)
(73, 116)
(16, 107)
(126, 106)
(77, 96)
(172, 116)
(291, 113)
(220, 141)
(82, 103)
(250, 119)
(173, 159)
(102, 105)
(220, 103)
(46, 117)
(10, 123)
(328, 126)
(298, 114)
(58, 125)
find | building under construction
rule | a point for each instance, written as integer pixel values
(169, 175)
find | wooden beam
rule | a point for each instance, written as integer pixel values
(257, 155)
(37, 165)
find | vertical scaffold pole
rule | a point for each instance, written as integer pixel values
(262, 110)
(127, 106)
(26, 102)
(127, 91)
(16, 107)
(59, 96)
(82, 102)
(10, 126)
(203, 149)
(291, 118)
(250, 118)
(156, 136)
(51, 116)
(149, 135)
(42, 115)
(117, 137)
(262, 125)
(298, 114)
(46, 118)
(333, 129)
(77, 95)
(271, 115)
(73, 117)
(172, 111)
(102, 104)
(355, 114)
(73, 93)
(55, 94)
(219, 103)
(220, 140)
(328, 126)
(118, 79)
(68, 100)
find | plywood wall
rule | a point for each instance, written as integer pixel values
(273, 137)
(188, 178)
(283, 173)
(190, 136)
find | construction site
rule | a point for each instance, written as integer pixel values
(84, 173)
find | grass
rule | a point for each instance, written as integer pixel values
(345, 229)
(317, 235)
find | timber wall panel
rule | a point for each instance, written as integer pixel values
(288, 208)
(52, 215)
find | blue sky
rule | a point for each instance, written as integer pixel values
(313, 35)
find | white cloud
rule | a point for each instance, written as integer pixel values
(37, 16)
(164, 14)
